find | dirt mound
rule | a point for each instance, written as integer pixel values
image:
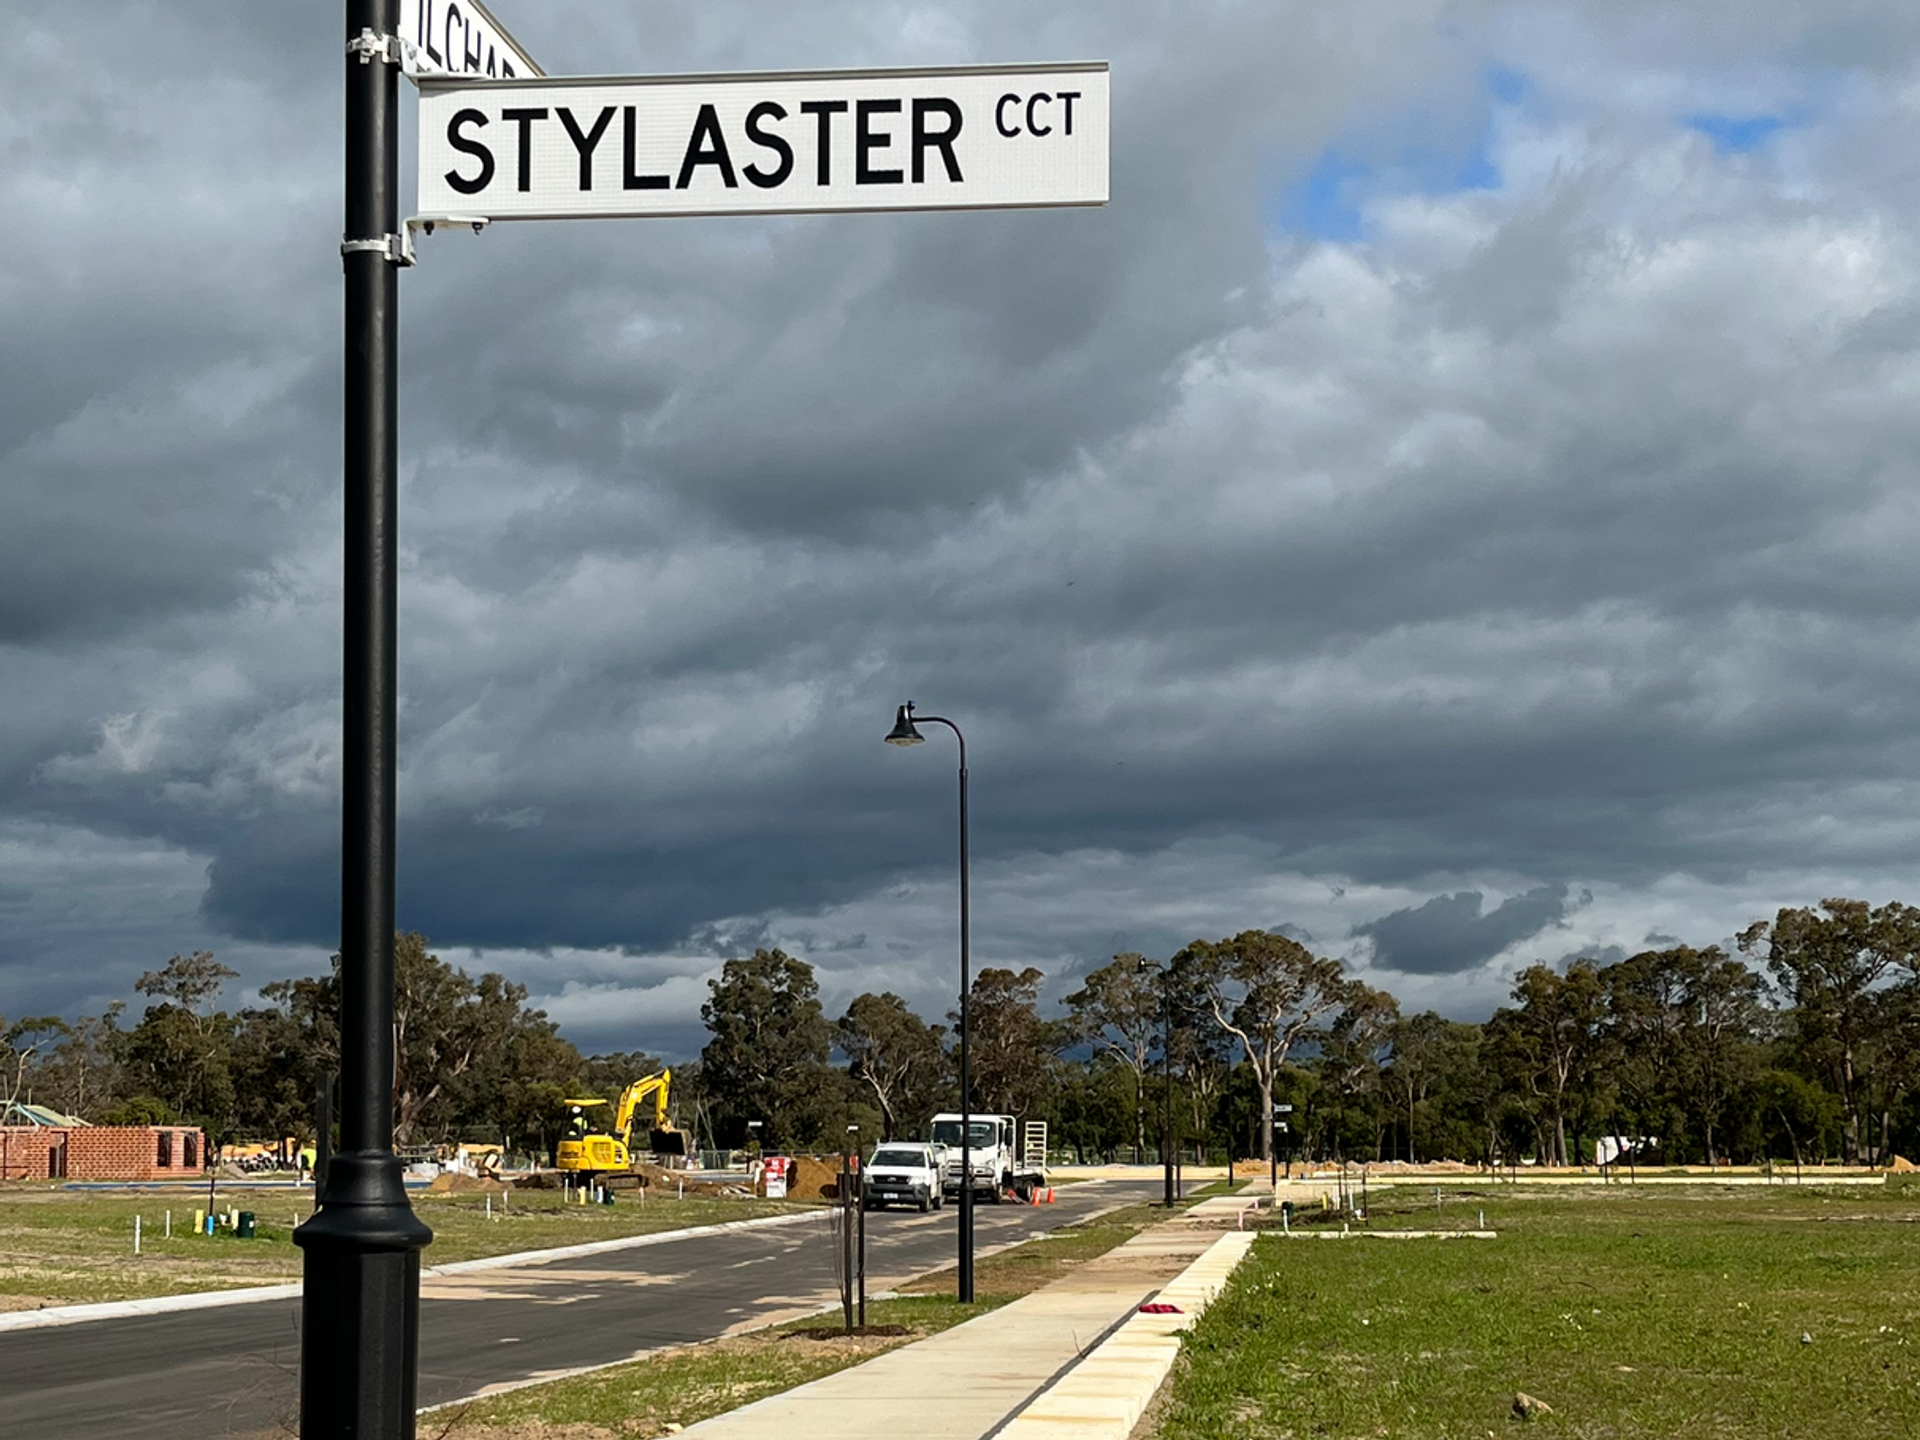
(1900, 1165)
(449, 1182)
(812, 1179)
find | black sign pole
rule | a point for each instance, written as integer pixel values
(360, 1313)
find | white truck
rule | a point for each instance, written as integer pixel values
(1000, 1165)
(902, 1172)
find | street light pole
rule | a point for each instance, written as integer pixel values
(904, 733)
(360, 1297)
(1166, 1084)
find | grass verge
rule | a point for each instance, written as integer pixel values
(63, 1248)
(680, 1387)
(1712, 1313)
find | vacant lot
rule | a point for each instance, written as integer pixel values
(67, 1248)
(1706, 1312)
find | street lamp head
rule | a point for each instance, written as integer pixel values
(903, 732)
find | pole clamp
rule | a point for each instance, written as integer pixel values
(396, 248)
(369, 46)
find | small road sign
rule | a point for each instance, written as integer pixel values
(459, 37)
(947, 139)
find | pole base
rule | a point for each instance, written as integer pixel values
(360, 1304)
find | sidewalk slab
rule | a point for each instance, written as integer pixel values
(963, 1383)
(1104, 1396)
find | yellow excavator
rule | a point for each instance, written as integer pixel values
(586, 1151)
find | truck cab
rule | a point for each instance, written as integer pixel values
(997, 1163)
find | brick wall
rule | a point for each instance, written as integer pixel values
(134, 1152)
(26, 1151)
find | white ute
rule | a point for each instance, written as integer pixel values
(903, 1172)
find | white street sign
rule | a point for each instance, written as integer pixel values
(459, 37)
(950, 139)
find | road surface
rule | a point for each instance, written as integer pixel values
(233, 1370)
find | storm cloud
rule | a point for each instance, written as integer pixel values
(1456, 932)
(1468, 466)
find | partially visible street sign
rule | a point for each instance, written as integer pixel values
(459, 37)
(948, 139)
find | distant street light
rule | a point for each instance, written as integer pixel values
(904, 733)
(1166, 1084)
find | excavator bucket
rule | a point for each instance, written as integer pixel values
(668, 1142)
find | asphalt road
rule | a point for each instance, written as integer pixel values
(233, 1370)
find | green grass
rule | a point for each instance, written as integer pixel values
(1633, 1313)
(68, 1248)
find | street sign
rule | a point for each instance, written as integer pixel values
(811, 142)
(459, 37)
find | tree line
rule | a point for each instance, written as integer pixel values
(1804, 1044)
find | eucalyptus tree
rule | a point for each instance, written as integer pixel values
(1549, 1042)
(1268, 991)
(1835, 963)
(894, 1055)
(767, 1059)
(1121, 1010)
(1012, 1049)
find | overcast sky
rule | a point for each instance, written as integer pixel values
(1456, 502)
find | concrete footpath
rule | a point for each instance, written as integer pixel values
(1076, 1358)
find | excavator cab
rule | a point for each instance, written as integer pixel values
(586, 1151)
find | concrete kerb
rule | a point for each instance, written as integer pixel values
(256, 1294)
(1105, 1394)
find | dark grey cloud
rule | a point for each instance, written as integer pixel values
(1456, 932)
(1550, 537)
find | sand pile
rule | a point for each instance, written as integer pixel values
(812, 1179)
(449, 1182)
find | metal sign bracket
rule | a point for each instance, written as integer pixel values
(397, 248)
(427, 224)
(369, 46)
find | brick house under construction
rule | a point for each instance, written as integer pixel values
(60, 1147)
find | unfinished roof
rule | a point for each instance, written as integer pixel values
(39, 1116)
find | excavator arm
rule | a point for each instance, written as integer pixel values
(664, 1139)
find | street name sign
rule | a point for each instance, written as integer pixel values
(460, 37)
(967, 138)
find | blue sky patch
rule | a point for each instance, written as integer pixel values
(1736, 134)
(1326, 202)
(1507, 85)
